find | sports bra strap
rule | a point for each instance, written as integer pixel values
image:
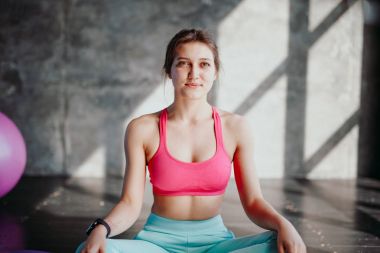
(218, 127)
(163, 119)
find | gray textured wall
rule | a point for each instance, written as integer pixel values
(72, 72)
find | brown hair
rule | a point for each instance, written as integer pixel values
(185, 36)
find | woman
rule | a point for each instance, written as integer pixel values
(189, 148)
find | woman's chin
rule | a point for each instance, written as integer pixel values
(193, 94)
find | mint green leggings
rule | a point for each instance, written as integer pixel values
(167, 235)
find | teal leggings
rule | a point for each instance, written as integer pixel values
(167, 235)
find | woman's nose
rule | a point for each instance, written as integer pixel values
(194, 72)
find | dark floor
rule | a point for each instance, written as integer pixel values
(51, 214)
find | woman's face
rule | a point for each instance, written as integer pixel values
(193, 70)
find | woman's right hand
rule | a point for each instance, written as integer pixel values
(96, 241)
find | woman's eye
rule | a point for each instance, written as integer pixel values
(182, 63)
(205, 64)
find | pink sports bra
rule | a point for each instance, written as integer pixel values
(172, 177)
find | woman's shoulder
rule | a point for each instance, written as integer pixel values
(232, 120)
(144, 123)
(235, 125)
(146, 119)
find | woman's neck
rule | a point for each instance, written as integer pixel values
(189, 111)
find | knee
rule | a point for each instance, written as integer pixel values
(113, 245)
(268, 234)
(268, 242)
(269, 237)
(272, 242)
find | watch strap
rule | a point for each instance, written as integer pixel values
(97, 222)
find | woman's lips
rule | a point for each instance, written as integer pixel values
(193, 85)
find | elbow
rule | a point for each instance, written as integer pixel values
(133, 206)
(253, 205)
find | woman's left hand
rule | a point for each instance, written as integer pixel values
(288, 239)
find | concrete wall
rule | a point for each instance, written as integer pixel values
(73, 73)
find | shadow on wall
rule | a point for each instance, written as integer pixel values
(73, 71)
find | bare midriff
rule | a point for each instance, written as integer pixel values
(187, 207)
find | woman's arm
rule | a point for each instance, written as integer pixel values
(255, 206)
(127, 210)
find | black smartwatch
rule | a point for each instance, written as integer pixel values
(97, 222)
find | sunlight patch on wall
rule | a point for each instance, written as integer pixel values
(94, 165)
(258, 45)
(340, 161)
(253, 41)
(161, 97)
(333, 92)
(269, 130)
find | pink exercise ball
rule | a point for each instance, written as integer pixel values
(12, 155)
